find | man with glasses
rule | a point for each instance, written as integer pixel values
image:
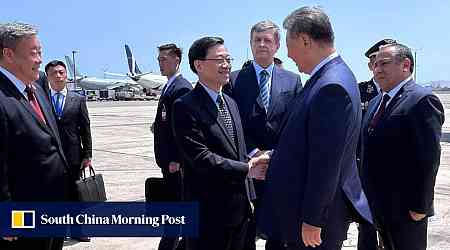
(401, 151)
(262, 91)
(208, 131)
(166, 153)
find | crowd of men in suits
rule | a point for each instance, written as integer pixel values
(262, 154)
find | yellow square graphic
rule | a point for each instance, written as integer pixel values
(18, 218)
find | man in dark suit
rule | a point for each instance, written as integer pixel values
(32, 163)
(73, 123)
(262, 92)
(208, 131)
(367, 235)
(405, 120)
(166, 153)
(312, 185)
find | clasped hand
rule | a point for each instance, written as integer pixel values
(258, 166)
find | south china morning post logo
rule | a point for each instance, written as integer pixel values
(108, 219)
(23, 219)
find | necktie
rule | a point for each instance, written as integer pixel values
(33, 102)
(225, 116)
(264, 88)
(59, 104)
(380, 112)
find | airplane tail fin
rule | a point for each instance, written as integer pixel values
(132, 65)
(70, 68)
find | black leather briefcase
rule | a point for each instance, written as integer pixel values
(91, 188)
(155, 189)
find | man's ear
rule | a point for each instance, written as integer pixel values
(8, 54)
(369, 64)
(198, 65)
(406, 65)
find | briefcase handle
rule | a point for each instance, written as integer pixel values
(83, 173)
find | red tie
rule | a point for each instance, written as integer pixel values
(33, 102)
(380, 112)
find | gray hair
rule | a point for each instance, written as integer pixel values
(265, 26)
(401, 52)
(311, 21)
(12, 33)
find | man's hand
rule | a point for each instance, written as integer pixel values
(86, 163)
(258, 167)
(13, 238)
(311, 235)
(174, 167)
(416, 216)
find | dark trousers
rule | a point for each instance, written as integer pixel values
(173, 185)
(332, 234)
(215, 237)
(407, 235)
(33, 243)
(367, 237)
(252, 231)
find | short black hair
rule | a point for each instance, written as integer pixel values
(54, 63)
(199, 49)
(173, 49)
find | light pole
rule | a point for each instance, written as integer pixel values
(415, 61)
(415, 65)
(74, 70)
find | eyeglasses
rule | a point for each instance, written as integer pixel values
(220, 61)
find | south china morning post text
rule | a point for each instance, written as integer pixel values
(107, 219)
(114, 219)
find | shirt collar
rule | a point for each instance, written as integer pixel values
(397, 88)
(63, 91)
(212, 93)
(18, 83)
(172, 78)
(323, 62)
(259, 68)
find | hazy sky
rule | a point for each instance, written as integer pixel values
(99, 29)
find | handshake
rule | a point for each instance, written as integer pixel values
(258, 165)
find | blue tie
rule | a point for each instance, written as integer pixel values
(264, 88)
(59, 104)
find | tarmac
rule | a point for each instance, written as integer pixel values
(123, 154)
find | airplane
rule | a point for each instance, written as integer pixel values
(94, 83)
(147, 80)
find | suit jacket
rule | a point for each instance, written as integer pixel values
(260, 127)
(215, 167)
(313, 174)
(32, 162)
(75, 131)
(43, 82)
(164, 142)
(368, 90)
(401, 155)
